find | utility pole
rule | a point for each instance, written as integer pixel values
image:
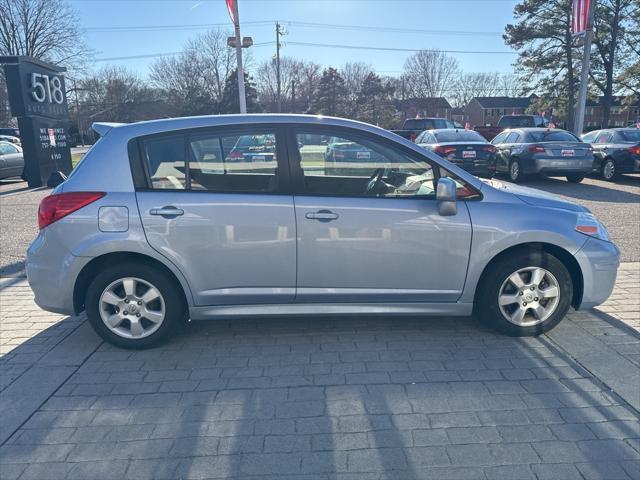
(584, 74)
(293, 96)
(278, 33)
(75, 87)
(240, 69)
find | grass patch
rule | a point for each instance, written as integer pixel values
(75, 158)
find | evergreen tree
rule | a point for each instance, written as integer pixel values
(375, 101)
(547, 60)
(230, 101)
(329, 98)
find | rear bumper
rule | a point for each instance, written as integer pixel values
(556, 166)
(599, 262)
(51, 273)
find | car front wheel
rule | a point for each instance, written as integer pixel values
(134, 305)
(525, 294)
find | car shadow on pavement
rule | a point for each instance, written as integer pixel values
(273, 398)
(13, 270)
(586, 191)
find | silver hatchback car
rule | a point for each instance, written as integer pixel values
(233, 216)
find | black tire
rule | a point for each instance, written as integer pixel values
(515, 171)
(608, 170)
(575, 177)
(488, 291)
(171, 291)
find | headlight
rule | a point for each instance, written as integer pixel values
(588, 224)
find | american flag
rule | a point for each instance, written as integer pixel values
(231, 7)
(580, 16)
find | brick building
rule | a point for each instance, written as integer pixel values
(621, 113)
(486, 111)
(437, 107)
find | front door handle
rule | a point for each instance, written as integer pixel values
(322, 215)
(169, 211)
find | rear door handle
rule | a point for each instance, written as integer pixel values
(168, 211)
(322, 215)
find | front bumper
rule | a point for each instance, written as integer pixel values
(560, 166)
(599, 262)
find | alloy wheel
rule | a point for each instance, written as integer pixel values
(609, 170)
(529, 296)
(132, 308)
(514, 170)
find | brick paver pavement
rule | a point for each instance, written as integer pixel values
(315, 399)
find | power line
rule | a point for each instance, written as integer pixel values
(392, 49)
(479, 2)
(145, 28)
(164, 54)
(389, 29)
(201, 26)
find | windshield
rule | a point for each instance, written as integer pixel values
(631, 135)
(459, 136)
(553, 136)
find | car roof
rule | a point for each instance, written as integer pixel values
(182, 123)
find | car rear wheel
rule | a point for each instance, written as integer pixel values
(575, 178)
(134, 305)
(525, 294)
(515, 172)
(609, 171)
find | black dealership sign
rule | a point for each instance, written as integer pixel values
(38, 98)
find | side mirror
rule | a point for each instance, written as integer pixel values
(446, 195)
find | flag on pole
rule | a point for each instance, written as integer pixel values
(231, 6)
(580, 16)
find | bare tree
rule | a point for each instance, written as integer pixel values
(310, 75)
(430, 73)
(482, 84)
(44, 29)
(267, 82)
(117, 94)
(469, 85)
(193, 81)
(354, 74)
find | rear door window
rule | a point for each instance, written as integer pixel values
(164, 157)
(212, 161)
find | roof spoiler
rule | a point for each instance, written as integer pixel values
(102, 128)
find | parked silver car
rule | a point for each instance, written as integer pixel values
(11, 160)
(161, 222)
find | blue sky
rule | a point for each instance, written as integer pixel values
(486, 16)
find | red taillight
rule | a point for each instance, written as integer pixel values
(235, 155)
(54, 207)
(445, 150)
(634, 150)
(536, 149)
(489, 148)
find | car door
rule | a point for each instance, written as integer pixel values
(601, 148)
(503, 151)
(362, 240)
(13, 160)
(215, 205)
